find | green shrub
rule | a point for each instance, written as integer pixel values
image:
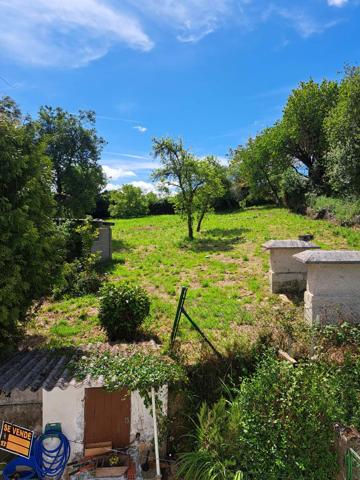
(344, 211)
(277, 425)
(123, 308)
(293, 191)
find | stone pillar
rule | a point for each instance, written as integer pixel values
(333, 285)
(103, 243)
(286, 274)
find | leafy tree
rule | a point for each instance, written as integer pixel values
(29, 242)
(260, 164)
(74, 148)
(212, 189)
(343, 129)
(181, 170)
(128, 202)
(303, 129)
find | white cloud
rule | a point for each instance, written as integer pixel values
(146, 187)
(191, 19)
(118, 172)
(112, 186)
(65, 32)
(337, 3)
(140, 128)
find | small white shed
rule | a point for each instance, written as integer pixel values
(37, 387)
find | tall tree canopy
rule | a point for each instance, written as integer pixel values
(74, 148)
(260, 164)
(29, 243)
(303, 128)
(343, 130)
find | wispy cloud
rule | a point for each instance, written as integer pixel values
(66, 32)
(303, 22)
(192, 20)
(140, 128)
(337, 3)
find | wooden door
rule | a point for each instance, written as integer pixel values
(107, 416)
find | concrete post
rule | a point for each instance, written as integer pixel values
(333, 285)
(286, 274)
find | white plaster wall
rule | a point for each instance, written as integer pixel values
(67, 407)
(141, 419)
(334, 280)
(282, 261)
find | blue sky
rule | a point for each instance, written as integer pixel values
(210, 71)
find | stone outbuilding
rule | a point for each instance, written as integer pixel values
(333, 285)
(286, 274)
(37, 387)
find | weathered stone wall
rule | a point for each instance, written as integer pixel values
(24, 408)
(103, 243)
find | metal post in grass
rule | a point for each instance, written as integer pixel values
(181, 310)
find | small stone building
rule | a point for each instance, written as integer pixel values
(286, 274)
(37, 387)
(103, 241)
(333, 285)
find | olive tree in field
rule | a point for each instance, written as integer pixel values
(213, 187)
(180, 170)
(74, 148)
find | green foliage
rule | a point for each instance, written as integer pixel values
(303, 127)
(182, 171)
(343, 130)
(293, 190)
(80, 272)
(210, 459)
(128, 202)
(259, 165)
(74, 149)
(123, 308)
(138, 372)
(29, 241)
(278, 425)
(338, 335)
(345, 210)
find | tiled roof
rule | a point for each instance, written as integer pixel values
(35, 369)
(47, 369)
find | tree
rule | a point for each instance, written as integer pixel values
(260, 164)
(181, 170)
(74, 148)
(343, 130)
(303, 129)
(212, 189)
(128, 202)
(29, 242)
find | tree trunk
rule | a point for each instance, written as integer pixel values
(201, 218)
(190, 225)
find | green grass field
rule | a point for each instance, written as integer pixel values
(225, 269)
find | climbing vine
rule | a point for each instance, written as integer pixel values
(139, 372)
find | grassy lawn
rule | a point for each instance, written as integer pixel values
(225, 268)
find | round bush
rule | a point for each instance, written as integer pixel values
(123, 308)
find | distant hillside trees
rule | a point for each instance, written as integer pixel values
(29, 241)
(74, 148)
(128, 202)
(312, 150)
